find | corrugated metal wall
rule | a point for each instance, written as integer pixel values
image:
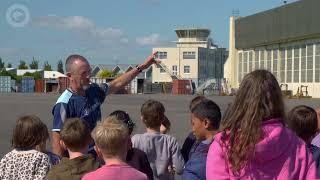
(295, 21)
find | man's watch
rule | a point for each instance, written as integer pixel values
(138, 68)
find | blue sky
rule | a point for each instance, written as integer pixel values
(109, 32)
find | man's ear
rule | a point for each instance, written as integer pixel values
(68, 74)
(63, 145)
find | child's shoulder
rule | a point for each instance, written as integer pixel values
(169, 137)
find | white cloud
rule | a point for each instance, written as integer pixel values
(81, 25)
(153, 39)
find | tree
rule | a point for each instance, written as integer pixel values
(22, 65)
(1, 64)
(9, 65)
(3, 72)
(35, 75)
(47, 66)
(60, 66)
(105, 74)
(34, 64)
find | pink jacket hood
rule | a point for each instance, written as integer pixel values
(280, 154)
(275, 141)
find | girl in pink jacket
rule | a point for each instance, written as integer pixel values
(254, 142)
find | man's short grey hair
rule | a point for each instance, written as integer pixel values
(71, 59)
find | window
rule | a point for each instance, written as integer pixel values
(245, 63)
(303, 62)
(240, 68)
(289, 65)
(250, 61)
(174, 69)
(256, 60)
(186, 69)
(317, 63)
(275, 62)
(162, 70)
(296, 63)
(282, 65)
(262, 62)
(189, 55)
(268, 60)
(162, 55)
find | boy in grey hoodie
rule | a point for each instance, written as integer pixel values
(162, 150)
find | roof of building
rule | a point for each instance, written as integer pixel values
(21, 72)
(193, 32)
(52, 75)
(9, 69)
(122, 67)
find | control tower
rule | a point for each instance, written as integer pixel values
(193, 37)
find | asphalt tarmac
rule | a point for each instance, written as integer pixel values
(13, 105)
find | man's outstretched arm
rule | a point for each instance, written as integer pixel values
(124, 79)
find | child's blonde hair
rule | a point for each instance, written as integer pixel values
(111, 135)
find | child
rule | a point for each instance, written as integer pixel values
(191, 139)
(162, 150)
(24, 161)
(164, 129)
(135, 157)
(254, 142)
(316, 140)
(205, 117)
(110, 136)
(165, 125)
(75, 138)
(303, 121)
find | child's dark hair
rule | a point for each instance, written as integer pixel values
(152, 113)
(125, 118)
(195, 101)
(166, 123)
(29, 132)
(303, 121)
(210, 110)
(75, 134)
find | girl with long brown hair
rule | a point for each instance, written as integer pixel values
(254, 142)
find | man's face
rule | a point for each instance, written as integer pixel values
(198, 127)
(80, 74)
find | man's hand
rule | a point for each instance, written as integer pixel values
(149, 61)
(56, 148)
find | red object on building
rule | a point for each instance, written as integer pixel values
(181, 87)
(39, 85)
(64, 83)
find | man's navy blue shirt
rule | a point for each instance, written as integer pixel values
(72, 105)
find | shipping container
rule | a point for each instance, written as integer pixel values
(5, 84)
(64, 83)
(181, 87)
(27, 84)
(13, 87)
(39, 85)
(147, 88)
